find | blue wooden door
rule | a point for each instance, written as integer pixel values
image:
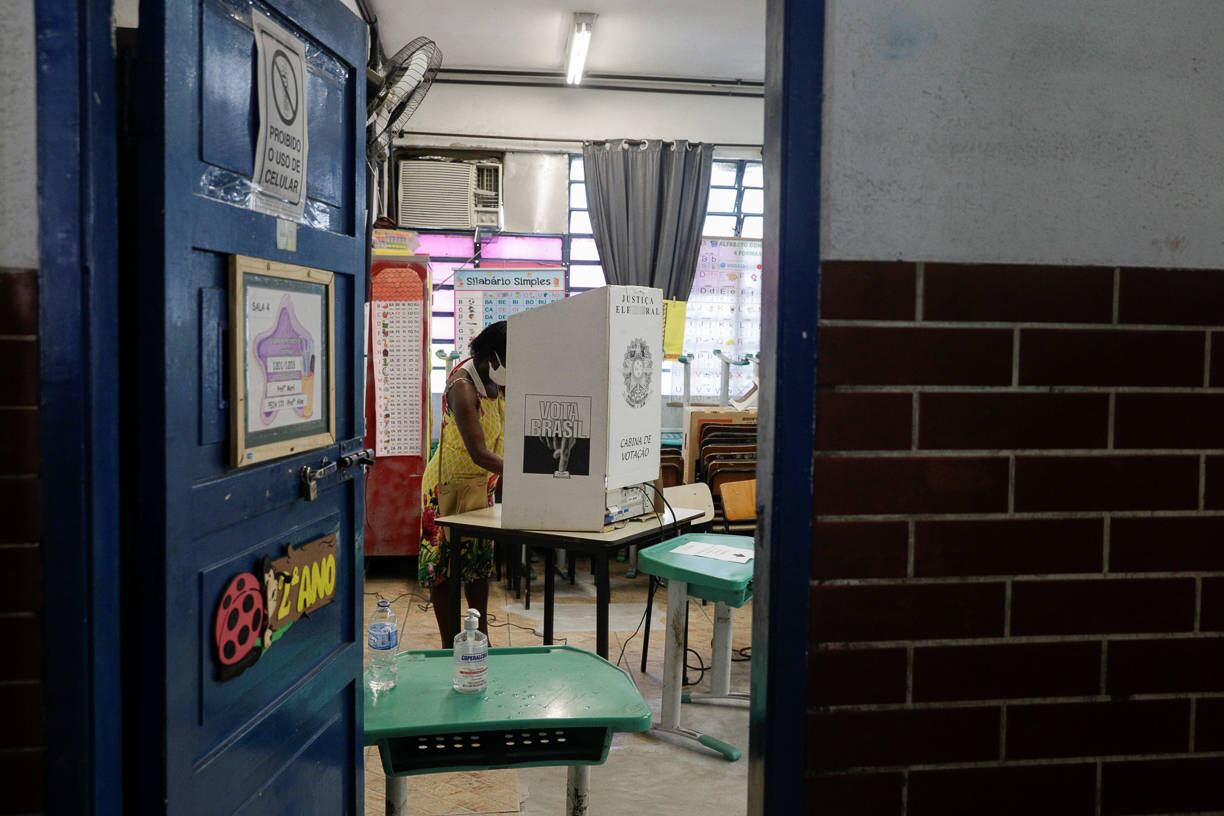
(284, 735)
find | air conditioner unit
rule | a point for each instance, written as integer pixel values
(449, 195)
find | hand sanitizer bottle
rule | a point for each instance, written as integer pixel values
(471, 656)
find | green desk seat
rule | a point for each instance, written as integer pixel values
(707, 578)
(545, 705)
(728, 586)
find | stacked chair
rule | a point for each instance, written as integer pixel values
(728, 454)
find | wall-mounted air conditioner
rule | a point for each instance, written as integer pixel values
(449, 194)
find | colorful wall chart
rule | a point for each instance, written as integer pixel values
(397, 314)
(487, 295)
(724, 312)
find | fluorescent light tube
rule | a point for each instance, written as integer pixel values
(579, 46)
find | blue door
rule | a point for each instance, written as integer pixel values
(209, 730)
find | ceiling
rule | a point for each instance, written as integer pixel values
(707, 39)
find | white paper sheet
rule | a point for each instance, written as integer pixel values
(720, 552)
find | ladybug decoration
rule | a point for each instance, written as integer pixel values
(239, 626)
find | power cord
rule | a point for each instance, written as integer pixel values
(492, 622)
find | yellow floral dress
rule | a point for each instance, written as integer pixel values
(452, 462)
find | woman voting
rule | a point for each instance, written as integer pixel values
(462, 475)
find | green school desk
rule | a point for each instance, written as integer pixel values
(728, 586)
(545, 705)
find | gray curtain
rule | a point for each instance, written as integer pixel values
(647, 202)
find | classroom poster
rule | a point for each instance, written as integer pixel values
(724, 312)
(285, 324)
(398, 315)
(487, 295)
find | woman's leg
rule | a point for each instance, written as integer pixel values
(478, 599)
(448, 627)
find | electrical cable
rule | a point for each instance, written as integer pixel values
(492, 622)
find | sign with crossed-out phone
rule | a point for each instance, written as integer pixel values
(280, 154)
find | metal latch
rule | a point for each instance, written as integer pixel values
(311, 477)
(363, 457)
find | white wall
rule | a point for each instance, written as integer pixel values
(18, 152)
(575, 114)
(1057, 131)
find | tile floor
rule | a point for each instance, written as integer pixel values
(643, 770)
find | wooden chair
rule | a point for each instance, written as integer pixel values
(739, 506)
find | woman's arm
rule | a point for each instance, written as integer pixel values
(466, 407)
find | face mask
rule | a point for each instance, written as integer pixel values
(497, 372)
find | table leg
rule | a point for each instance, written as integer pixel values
(397, 795)
(720, 671)
(527, 576)
(550, 580)
(673, 653)
(578, 790)
(603, 597)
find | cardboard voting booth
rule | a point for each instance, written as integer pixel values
(583, 407)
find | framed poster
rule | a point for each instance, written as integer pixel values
(282, 360)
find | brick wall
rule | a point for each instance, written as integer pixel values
(1018, 588)
(21, 705)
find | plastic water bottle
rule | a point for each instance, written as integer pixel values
(383, 640)
(471, 656)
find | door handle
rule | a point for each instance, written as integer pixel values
(363, 457)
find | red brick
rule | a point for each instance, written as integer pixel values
(1165, 666)
(849, 739)
(998, 672)
(19, 503)
(1162, 786)
(18, 372)
(842, 676)
(877, 794)
(867, 290)
(848, 549)
(22, 781)
(1066, 483)
(870, 486)
(1217, 360)
(19, 449)
(1171, 296)
(1012, 421)
(1111, 357)
(1213, 492)
(1191, 544)
(854, 355)
(1011, 547)
(856, 421)
(906, 612)
(1114, 606)
(1172, 421)
(18, 301)
(1212, 614)
(22, 704)
(22, 639)
(1049, 790)
(1014, 294)
(1098, 729)
(20, 580)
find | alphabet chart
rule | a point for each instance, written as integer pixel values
(487, 295)
(724, 312)
(397, 315)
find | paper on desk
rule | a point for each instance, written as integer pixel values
(720, 552)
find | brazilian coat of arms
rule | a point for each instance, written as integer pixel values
(637, 368)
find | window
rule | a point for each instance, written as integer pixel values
(449, 251)
(735, 209)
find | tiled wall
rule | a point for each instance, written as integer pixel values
(21, 702)
(1018, 588)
